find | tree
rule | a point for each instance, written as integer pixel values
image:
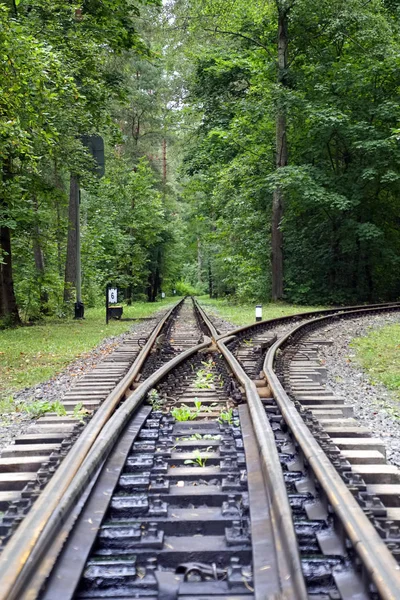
(35, 89)
(331, 103)
(58, 83)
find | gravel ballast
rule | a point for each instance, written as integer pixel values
(372, 403)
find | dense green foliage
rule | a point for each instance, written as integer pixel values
(341, 186)
(188, 96)
(72, 70)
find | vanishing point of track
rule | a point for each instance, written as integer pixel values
(218, 467)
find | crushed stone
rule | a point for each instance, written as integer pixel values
(374, 405)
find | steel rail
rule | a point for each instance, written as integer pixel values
(15, 555)
(76, 537)
(206, 319)
(379, 563)
(305, 315)
(39, 563)
(289, 563)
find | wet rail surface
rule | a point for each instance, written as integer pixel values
(350, 564)
(212, 496)
(357, 454)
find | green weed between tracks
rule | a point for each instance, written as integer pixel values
(37, 408)
(30, 355)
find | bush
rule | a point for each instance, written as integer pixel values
(186, 289)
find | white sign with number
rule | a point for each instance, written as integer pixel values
(112, 295)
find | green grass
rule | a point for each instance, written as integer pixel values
(244, 314)
(30, 355)
(378, 353)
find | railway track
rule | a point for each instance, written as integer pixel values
(358, 455)
(27, 465)
(204, 483)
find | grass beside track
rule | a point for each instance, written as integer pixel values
(30, 355)
(379, 355)
(244, 314)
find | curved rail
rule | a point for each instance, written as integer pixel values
(29, 545)
(297, 316)
(30, 569)
(93, 461)
(17, 554)
(381, 567)
(206, 320)
(291, 576)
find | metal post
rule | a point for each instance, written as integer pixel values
(259, 312)
(79, 308)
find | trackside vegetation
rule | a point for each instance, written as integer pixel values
(30, 355)
(378, 353)
(251, 152)
(244, 313)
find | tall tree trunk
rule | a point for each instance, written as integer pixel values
(70, 264)
(164, 161)
(210, 281)
(8, 303)
(281, 158)
(155, 280)
(59, 239)
(59, 235)
(39, 262)
(199, 262)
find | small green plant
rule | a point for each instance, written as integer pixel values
(203, 379)
(208, 364)
(185, 413)
(80, 412)
(8, 405)
(248, 342)
(190, 438)
(226, 416)
(199, 458)
(208, 436)
(220, 380)
(181, 413)
(41, 407)
(197, 404)
(154, 400)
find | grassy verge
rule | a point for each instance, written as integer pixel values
(30, 355)
(379, 355)
(244, 314)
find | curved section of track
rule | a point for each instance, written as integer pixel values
(333, 478)
(202, 484)
(61, 444)
(196, 529)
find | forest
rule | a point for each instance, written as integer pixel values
(251, 151)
